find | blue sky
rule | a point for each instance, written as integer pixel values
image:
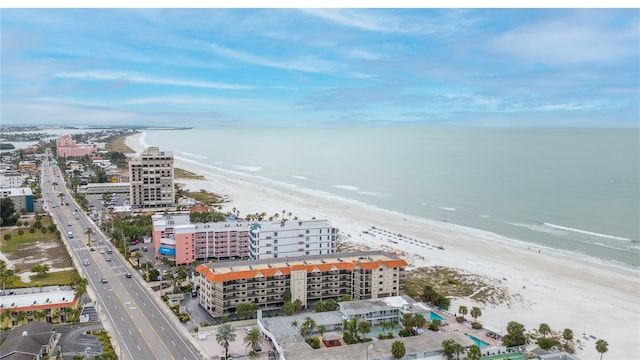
(201, 67)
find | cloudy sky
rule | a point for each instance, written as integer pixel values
(460, 67)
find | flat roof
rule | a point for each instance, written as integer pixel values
(282, 326)
(427, 342)
(35, 298)
(357, 307)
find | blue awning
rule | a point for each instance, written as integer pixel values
(166, 251)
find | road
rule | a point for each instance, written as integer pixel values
(137, 324)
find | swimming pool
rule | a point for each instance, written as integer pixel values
(481, 344)
(435, 316)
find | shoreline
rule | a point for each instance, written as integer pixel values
(547, 286)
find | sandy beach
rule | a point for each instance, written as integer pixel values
(545, 285)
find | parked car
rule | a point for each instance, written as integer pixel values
(272, 355)
(104, 280)
(127, 275)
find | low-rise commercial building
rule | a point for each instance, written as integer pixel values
(52, 301)
(358, 275)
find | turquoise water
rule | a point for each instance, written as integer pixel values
(510, 356)
(575, 190)
(481, 344)
(435, 316)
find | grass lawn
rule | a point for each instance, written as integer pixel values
(205, 197)
(26, 238)
(53, 278)
(119, 145)
(180, 173)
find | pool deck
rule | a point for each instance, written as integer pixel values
(452, 325)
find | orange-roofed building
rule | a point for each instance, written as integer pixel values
(199, 208)
(358, 276)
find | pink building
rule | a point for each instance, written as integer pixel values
(178, 239)
(66, 146)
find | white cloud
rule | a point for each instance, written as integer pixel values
(567, 41)
(306, 64)
(368, 21)
(145, 79)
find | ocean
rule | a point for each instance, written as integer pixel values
(575, 190)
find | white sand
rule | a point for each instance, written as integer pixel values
(549, 286)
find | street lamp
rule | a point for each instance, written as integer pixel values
(370, 346)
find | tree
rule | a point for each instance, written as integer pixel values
(544, 329)
(38, 315)
(397, 349)
(40, 269)
(463, 310)
(61, 196)
(474, 353)
(297, 305)
(450, 347)
(226, 334)
(435, 325)
(413, 321)
(567, 335)
(307, 326)
(137, 256)
(21, 317)
(515, 335)
(246, 309)
(8, 215)
(364, 327)
(475, 313)
(602, 347)
(253, 338)
(88, 232)
(322, 329)
(288, 308)
(6, 274)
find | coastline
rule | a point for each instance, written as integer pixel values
(546, 286)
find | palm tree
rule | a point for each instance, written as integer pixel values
(38, 315)
(88, 233)
(544, 329)
(602, 347)
(21, 317)
(5, 273)
(253, 338)
(61, 196)
(397, 349)
(137, 255)
(364, 327)
(55, 315)
(72, 314)
(5, 318)
(322, 329)
(567, 334)
(462, 310)
(474, 353)
(307, 326)
(475, 312)
(226, 334)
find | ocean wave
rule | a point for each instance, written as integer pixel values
(540, 228)
(586, 232)
(248, 168)
(299, 177)
(484, 216)
(193, 155)
(447, 208)
(347, 187)
(376, 194)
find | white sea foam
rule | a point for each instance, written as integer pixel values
(484, 216)
(376, 194)
(248, 168)
(540, 228)
(585, 232)
(194, 155)
(347, 187)
(299, 177)
(447, 208)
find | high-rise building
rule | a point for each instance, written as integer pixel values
(358, 275)
(67, 147)
(151, 181)
(292, 238)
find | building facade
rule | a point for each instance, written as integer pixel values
(22, 198)
(51, 301)
(67, 147)
(175, 237)
(359, 275)
(11, 179)
(151, 181)
(291, 238)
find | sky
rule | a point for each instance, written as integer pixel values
(321, 67)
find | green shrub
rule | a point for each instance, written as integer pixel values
(476, 325)
(20, 232)
(405, 333)
(7, 237)
(460, 319)
(314, 342)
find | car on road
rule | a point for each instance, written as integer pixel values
(108, 258)
(272, 355)
(127, 275)
(144, 248)
(104, 280)
(101, 251)
(86, 262)
(109, 251)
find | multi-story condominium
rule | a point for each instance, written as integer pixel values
(66, 146)
(104, 188)
(151, 181)
(182, 241)
(359, 275)
(11, 179)
(22, 198)
(292, 238)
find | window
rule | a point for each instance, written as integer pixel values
(275, 234)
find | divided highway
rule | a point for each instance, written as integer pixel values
(137, 324)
